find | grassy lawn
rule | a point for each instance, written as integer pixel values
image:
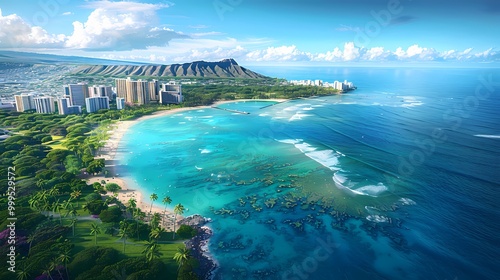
(56, 142)
(133, 248)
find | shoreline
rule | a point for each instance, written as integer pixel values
(110, 153)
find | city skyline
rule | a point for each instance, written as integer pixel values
(257, 32)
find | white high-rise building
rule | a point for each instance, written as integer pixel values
(94, 104)
(120, 103)
(44, 104)
(65, 108)
(101, 91)
(24, 102)
(171, 93)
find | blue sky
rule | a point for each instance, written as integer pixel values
(258, 32)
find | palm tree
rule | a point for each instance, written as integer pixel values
(34, 202)
(95, 229)
(166, 200)
(152, 250)
(178, 210)
(75, 194)
(124, 232)
(23, 274)
(54, 191)
(65, 257)
(72, 225)
(56, 207)
(155, 220)
(54, 264)
(132, 205)
(138, 215)
(47, 270)
(182, 256)
(153, 198)
(30, 240)
(156, 233)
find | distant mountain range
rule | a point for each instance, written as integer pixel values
(227, 68)
(40, 58)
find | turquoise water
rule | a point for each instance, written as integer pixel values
(398, 179)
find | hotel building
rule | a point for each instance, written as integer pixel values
(77, 93)
(101, 91)
(120, 103)
(134, 92)
(24, 102)
(44, 104)
(94, 104)
(65, 108)
(171, 93)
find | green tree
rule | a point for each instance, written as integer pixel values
(166, 200)
(156, 233)
(95, 229)
(153, 198)
(65, 257)
(178, 210)
(152, 251)
(124, 232)
(113, 187)
(182, 256)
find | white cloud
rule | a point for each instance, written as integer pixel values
(17, 33)
(283, 53)
(376, 53)
(120, 26)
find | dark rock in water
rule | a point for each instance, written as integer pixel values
(194, 220)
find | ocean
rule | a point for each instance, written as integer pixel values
(398, 179)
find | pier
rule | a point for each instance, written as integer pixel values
(231, 110)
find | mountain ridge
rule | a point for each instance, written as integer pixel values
(226, 68)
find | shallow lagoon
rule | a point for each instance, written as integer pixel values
(286, 180)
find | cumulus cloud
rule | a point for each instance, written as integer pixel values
(17, 33)
(283, 53)
(120, 26)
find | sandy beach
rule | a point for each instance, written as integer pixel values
(110, 152)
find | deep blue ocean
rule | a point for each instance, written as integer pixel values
(399, 179)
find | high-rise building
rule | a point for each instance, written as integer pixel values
(24, 102)
(101, 91)
(77, 93)
(120, 103)
(94, 104)
(134, 92)
(154, 90)
(44, 104)
(65, 108)
(171, 93)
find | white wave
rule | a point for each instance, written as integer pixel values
(182, 123)
(304, 147)
(377, 218)
(327, 158)
(488, 136)
(298, 116)
(371, 190)
(263, 115)
(290, 141)
(407, 201)
(410, 101)
(204, 151)
(308, 109)
(198, 168)
(188, 118)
